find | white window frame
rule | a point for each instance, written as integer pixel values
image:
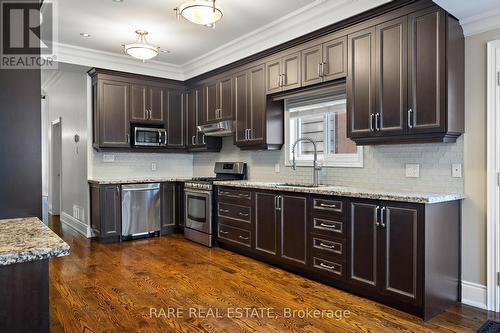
(331, 160)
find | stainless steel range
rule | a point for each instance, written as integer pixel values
(199, 201)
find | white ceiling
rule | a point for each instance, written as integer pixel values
(113, 23)
(463, 9)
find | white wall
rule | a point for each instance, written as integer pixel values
(66, 98)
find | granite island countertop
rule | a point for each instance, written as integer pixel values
(347, 191)
(28, 239)
(104, 181)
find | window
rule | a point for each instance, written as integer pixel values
(322, 119)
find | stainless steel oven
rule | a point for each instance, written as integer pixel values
(149, 136)
(198, 215)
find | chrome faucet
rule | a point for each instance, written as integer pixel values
(316, 167)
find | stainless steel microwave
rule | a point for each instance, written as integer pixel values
(145, 136)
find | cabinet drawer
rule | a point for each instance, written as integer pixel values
(322, 206)
(331, 268)
(328, 246)
(235, 196)
(232, 211)
(234, 235)
(331, 227)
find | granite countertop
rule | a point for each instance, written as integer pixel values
(138, 180)
(347, 191)
(28, 239)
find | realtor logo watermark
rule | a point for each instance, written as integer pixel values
(28, 34)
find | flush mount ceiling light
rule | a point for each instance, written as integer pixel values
(204, 12)
(141, 49)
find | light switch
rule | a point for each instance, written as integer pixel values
(277, 167)
(153, 166)
(412, 170)
(107, 158)
(456, 170)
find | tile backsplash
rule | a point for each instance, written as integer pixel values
(384, 167)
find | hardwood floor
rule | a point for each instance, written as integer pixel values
(120, 287)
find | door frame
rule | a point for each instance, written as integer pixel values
(56, 122)
(493, 177)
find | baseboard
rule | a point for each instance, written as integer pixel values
(474, 294)
(76, 224)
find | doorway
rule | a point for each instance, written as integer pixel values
(55, 173)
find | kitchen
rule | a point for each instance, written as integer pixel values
(337, 156)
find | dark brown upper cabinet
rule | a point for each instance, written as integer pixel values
(218, 96)
(386, 248)
(174, 118)
(255, 113)
(283, 73)
(324, 62)
(406, 80)
(111, 113)
(146, 104)
(195, 140)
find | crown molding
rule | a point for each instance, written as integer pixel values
(71, 54)
(314, 16)
(477, 24)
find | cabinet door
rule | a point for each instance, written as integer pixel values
(363, 244)
(225, 95)
(391, 77)
(191, 114)
(114, 111)
(157, 99)
(257, 104)
(293, 233)
(335, 59)
(426, 71)
(111, 221)
(266, 228)
(241, 107)
(311, 62)
(211, 99)
(138, 100)
(361, 83)
(175, 119)
(400, 265)
(291, 71)
(273, 72)
(168, 207)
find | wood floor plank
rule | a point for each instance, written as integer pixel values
(116, 288)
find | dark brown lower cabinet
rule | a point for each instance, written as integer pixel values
(169, 209)
(106, 214)
(405, 255)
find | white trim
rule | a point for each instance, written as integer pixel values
(316, 15)
(493, 167)
(76, 224)
(480, 23)
(119, 62)
(474, 294)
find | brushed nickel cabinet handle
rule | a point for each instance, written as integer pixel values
(244, 238)
(284, 80)
(224, 210)
(326, 266)
(203, 139)
(410, 122)
(377, 223)
(328, 206)
(127, 136)
(382, 217)
(327, 246)
(223, 232)
(192, 140)
(371, 122)
(331, 226)
(319, 69)
(242, 214)
(377, 121)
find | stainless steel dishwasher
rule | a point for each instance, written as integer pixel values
(140, 210)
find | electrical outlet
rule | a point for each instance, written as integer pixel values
(153, 166)
(456, 170)
(412, 170)
(107, 158)
(277, 167)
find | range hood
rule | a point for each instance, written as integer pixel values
(222, 128)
